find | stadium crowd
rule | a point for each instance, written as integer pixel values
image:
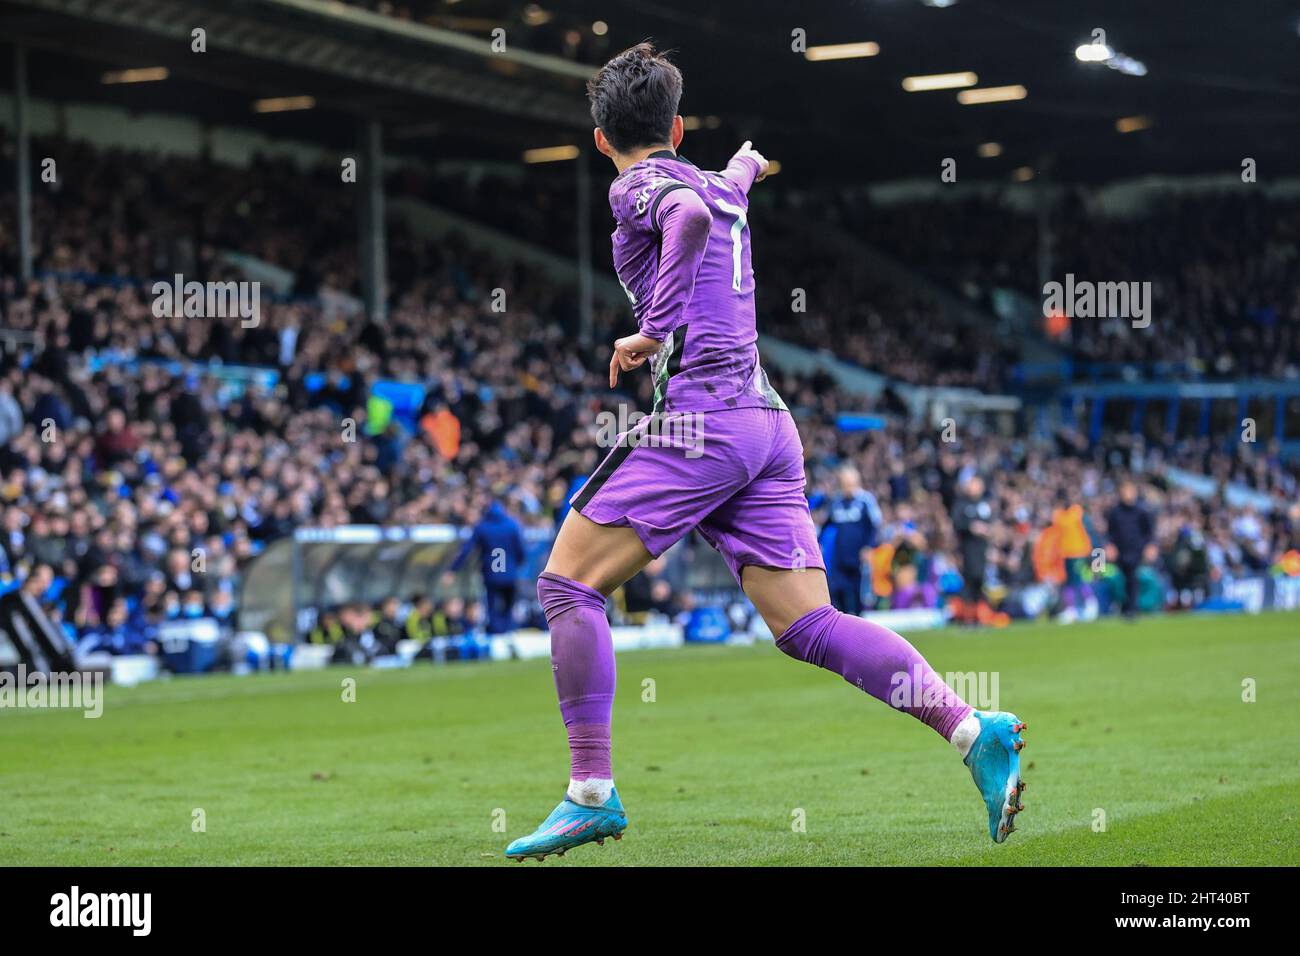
(1217, 311)
(1224, 268)
(841, 298)
(141, 472)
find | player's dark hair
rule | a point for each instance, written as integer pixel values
(634, 98)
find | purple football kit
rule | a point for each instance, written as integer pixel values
(719, 452)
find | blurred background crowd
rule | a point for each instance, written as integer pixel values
(137, 483)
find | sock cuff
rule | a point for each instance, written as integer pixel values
(558, 594)
(811, 622)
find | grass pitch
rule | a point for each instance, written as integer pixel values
(1142, 722)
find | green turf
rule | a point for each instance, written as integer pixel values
(1144, 721)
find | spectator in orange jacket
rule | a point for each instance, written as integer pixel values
(1049, 563)
(443, 428)
(1076, 548)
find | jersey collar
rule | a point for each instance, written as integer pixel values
(669, 154)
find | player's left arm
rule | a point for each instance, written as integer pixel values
(683, 221)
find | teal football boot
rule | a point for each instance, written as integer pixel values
(994, 761)
(569, 825)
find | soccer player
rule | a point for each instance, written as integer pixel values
(719, 453)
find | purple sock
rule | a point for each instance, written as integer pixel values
(582, 659)
(878, 661)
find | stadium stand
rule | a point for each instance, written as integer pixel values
(473, 372)
(168, 452)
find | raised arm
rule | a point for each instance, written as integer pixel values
(747, 167)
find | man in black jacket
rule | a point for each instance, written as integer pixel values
(1130, 528)
(972, 518)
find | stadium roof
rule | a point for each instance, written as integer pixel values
(1221, 81)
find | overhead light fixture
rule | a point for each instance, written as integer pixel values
(1107, 55)
(988, 150)
(992, 94)
(550, 154)
(842, 51)
(600, 28)
(1022, 174)
(144, 74)
(284, 104)
(1093, 53)
(535, 16)
(1132, 124)
(939, 81)
(700, 122)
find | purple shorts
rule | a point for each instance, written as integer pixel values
(736, 475)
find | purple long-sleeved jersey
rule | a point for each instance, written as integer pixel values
(681, 250)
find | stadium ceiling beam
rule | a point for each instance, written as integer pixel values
(308, 41)
(359, 17)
